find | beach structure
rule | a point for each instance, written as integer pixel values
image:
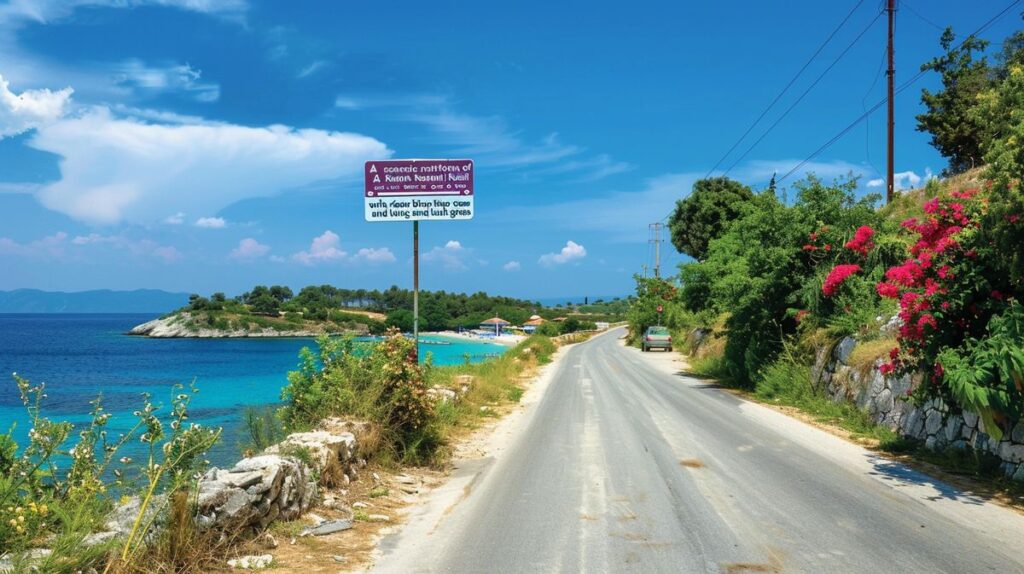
(495, 324)
(532, 325)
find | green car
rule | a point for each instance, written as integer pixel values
(656, 338)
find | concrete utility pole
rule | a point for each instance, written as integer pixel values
(656, 233)
(890, 182)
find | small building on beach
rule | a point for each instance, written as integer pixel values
(495, 324)
(532, 325)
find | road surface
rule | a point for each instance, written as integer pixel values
(624, 465)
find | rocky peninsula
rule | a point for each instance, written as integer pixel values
(205, 325)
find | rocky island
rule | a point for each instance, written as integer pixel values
(262, 312)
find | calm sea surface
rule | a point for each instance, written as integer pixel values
(82, 356)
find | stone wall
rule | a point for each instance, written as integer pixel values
(280, 484)
(885, 398)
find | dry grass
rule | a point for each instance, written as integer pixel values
(864, 355)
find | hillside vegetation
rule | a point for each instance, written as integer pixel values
(326, 309)
(941, 267)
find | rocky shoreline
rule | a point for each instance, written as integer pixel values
(180, 326)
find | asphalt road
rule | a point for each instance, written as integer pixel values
(624, 465)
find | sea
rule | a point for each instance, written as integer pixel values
(82, 357)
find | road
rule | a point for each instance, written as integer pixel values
(624, 465)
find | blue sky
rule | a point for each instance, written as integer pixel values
(202, 145)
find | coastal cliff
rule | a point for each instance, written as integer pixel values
(207, 326)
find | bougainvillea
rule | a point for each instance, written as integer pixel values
(861, 242)
(836, 277)
(948, 289)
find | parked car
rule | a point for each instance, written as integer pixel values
(656, 338)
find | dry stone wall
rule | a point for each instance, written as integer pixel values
(934, 423)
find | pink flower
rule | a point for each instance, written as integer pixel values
(836, 277)
(927, 319)
(888, 290)
(938, 370)
(998, 295)
(886, 368)
(861, 241)
(932, 205)
(810, 247)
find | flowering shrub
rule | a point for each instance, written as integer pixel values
(949, 289)
(836, 277)
(59, 496)
(382, 383)
(861, 242)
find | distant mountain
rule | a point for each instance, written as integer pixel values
(99, 301)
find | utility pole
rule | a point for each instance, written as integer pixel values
(645, 270)
(890, 182)
(656, 233)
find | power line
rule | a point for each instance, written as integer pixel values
(805, 92)
(784, 90)
(921, 16)
(903, 87)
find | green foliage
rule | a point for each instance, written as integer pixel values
(651, 293)
(957, 132)
(382, 384)
(705, 214)
(767, 268)
(47, 492)
(986, 375)
(263, 427)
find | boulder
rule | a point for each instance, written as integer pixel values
(324, 447)
(442, 395)
(933, 422)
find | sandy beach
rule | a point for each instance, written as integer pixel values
(504, 339)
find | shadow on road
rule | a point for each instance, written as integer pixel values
(891, 470)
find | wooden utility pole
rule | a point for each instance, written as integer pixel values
(891, 167)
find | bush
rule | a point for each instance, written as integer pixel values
(383, 384)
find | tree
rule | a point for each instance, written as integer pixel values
(281, 293)
(956, 132)
(712, 205)
(265, 304)
(400, 318)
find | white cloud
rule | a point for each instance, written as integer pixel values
(324, 248)
(51, 246)
(46, 11)
(124, 168)
(249, 249)
(487, 139)
(311, 69)
(904, 180)
(571, 252)
(145, 79)
(138, 247)
(30, 109)
(512, 266)
(452, 256)
(176, 219)
(57, 246)
(374, 255)
(211, 222)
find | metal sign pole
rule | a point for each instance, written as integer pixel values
(416, 287)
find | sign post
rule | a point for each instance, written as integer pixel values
(418, 190)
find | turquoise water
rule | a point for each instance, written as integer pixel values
(82, 356)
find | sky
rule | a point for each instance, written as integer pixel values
(210, 145)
